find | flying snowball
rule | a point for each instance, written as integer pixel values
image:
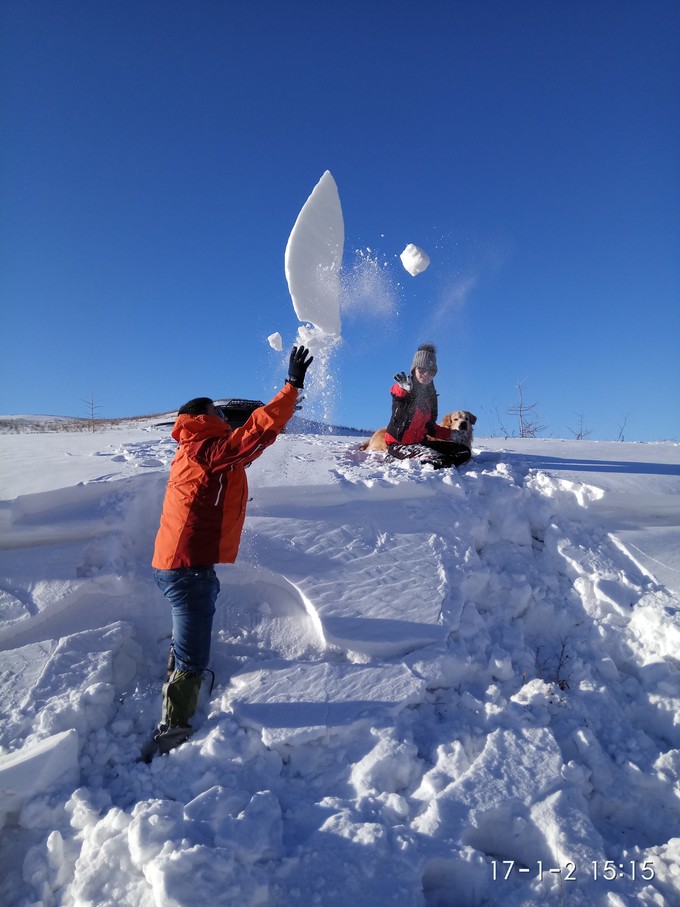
(415, 260)
(275, 341)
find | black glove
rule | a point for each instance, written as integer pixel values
(298, 365)
(404, 381)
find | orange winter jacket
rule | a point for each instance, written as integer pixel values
(205, 500)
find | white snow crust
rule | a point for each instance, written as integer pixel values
(313, 258)
(424, 680)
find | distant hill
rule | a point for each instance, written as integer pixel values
(37, 423)
(32, 424)
(299, 425)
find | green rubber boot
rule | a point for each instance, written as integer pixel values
(180, 698)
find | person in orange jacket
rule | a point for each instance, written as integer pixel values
(200, 526)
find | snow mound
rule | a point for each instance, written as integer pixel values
(34, 768)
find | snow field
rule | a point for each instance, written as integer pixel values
(419, 675)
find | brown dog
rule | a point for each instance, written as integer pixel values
(459, 423)
(376, 442)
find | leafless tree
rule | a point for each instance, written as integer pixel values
(552, 668)
(530, 424)
(92, 407)
(496, 423)
(621, 430)
(582, 432)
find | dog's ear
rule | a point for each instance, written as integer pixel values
(472, 418)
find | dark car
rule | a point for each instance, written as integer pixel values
(236, 411)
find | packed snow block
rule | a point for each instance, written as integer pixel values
(391, 601)
(21, 670)
(35, 768)
(275, 341)
(565, 821)
(77, 683)
(249, 827)
(313, 258)
(656, 620)
(489, 806)
(390, 766)
(379, 637)
(188, 855)
(155, 825)
(91, 504)
(356, 861)
(256, 834)
(414, 260)
(181, 875)
(294, 705)
(213, 807)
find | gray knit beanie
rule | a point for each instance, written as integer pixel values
(426, 357)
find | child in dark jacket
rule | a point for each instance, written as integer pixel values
(413, 431)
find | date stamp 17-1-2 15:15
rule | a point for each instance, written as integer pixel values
(608, 871)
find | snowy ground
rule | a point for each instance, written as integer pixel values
(432, 688)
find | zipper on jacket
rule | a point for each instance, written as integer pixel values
(219, 490)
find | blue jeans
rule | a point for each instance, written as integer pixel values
(192, 592)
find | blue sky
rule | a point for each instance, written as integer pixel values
(155, 156)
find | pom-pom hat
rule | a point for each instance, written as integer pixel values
(426, 357)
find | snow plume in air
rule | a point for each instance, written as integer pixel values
(321, 386)
(454, 297)
(367, 289)
(471, 265)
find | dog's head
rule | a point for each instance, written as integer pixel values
(460, 425)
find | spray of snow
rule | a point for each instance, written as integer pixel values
(451, 302)
(466, 264)
(368, 289)
(367, 294)
(321, 387)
